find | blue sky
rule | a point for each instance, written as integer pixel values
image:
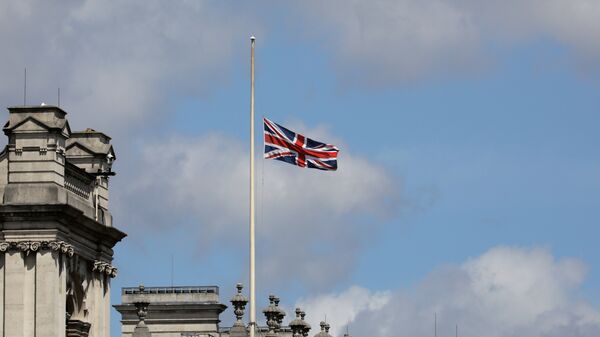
(468, 136)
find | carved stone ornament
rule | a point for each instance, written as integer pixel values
(34, 246)
(271, 314)
(4, 246)
(239, 302)
(297, 325)
(104, 268)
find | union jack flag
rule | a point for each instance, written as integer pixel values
(290, 147)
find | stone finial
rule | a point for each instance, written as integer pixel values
(239, 302)
(297, 325)
(272, 315)
(141, 330)
(142, 294)
(142, 310)
(324, 330)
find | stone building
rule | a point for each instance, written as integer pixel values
(195, 312)
(56, 231)
(171, 311)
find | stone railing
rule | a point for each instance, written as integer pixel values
(171, 290)
(78, 181)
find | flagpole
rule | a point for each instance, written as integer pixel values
(252, 215)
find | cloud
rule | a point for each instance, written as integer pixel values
(505, 292)
(125, 60)
(385, 42)
(310, 224)
(115, 60)
(348, 304)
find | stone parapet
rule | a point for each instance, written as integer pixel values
(172, 311)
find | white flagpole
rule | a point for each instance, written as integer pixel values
(252, 216)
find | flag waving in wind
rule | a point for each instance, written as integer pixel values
(290, 147)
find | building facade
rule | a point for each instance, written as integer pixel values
(56, 231)
(172, 311)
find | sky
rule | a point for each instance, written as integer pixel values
(468, 173)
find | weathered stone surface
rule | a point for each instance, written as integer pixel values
(172, 310)
(77, 328)
(56, 234)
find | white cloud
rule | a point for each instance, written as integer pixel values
(383, 41)
(504, 292)
(115, 60)
(391, 41)
(123, 60)
(342, 308)
(310, 224)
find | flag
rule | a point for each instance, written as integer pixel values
(290, 147)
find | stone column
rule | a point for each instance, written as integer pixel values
(50, 294)
(95, 306)
(99, 304)
(14, 272)
(29, 295)
(19, 300)
(106, 304)
(2, 289)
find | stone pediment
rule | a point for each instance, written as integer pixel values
(29, 124)
(32, 124)
(77, 149)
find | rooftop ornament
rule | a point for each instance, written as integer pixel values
(324, 330)
(297, 325)
(239, 302)
(272, 315)
(141, 330)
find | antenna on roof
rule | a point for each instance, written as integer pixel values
(172, 268)
(435, 325)
(58, 97)
(25, 89)
(456, 330)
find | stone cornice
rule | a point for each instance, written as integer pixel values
(69, 216)
(34, 246)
